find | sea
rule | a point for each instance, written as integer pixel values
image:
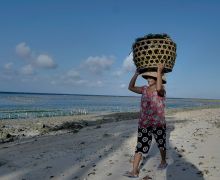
(34, 105)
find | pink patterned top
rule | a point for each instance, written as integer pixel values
(152, 109)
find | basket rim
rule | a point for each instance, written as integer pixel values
(168, 39)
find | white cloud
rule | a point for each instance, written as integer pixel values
(128, 64)
(8, 66)
(81, 82)
(72, 74)
(45, 61)
(27, 70)
(23, 50)
(34, 61)
(71, 78)
(73, 82)
(98, 65)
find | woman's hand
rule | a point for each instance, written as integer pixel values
(132, 86)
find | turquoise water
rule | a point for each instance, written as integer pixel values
(26, 105)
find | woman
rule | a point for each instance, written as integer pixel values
(152, 118)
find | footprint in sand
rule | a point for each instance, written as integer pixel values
(48, 167)
(111, 162)
(201, 163)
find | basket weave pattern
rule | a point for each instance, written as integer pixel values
(153, 49)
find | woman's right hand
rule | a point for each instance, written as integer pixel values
(137, 72)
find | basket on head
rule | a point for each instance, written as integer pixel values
(152, 49)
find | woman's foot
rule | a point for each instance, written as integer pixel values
(146, 178)
(162, 165)
(131, 174)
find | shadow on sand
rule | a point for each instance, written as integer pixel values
(178, 167)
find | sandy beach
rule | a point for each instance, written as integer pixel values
(99, 147)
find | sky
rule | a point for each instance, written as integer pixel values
(84, 46)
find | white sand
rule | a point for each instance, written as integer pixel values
(103, 153)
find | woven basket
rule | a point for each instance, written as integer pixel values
(152, 49)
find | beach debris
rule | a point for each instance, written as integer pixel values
(7, 137)
(144, 170)
(193, 166)
(179, 150)
(106, 135)
(200, 173)
(109, 174)
(206, 171)
(20, 130)
(98, 126)
(2, 163)
(201, 163)
(201, 156)
(75, 131)
(179, 155)
(83, 166)
(111, 162)
(5, 147)
(92, 173)
(183, 150)
(68, 125)
(48, 167)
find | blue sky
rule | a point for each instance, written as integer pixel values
(83, 46)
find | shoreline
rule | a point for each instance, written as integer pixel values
(19, 129)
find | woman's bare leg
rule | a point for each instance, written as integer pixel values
(163, 156)
(136, 163)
